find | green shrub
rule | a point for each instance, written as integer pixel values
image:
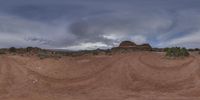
(176, 52)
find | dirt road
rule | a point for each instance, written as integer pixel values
(131, 76)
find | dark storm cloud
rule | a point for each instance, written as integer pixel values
(80, 24)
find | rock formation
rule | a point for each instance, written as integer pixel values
(128, 46)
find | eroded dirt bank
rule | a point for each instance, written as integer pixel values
(132, 76)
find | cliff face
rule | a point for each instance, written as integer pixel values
(128, 46)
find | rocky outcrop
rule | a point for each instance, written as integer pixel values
(128, 46)
(145, 46)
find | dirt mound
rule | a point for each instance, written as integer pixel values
(132, 76)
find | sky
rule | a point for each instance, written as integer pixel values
(91, 24)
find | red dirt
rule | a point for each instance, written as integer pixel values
(131, 76)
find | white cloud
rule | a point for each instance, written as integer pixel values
(16, 31)
(54, 24)
(87, 46)
(139, 39)
(190, 41)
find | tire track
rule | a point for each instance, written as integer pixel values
(6, 78)
(178, 67)
(67, 81)
(180, 77)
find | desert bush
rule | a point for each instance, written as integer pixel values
(176, 52)
(43, 55)
(12, 49)
(166, 49)
(28, 49)
(2, 52)
(196, 49)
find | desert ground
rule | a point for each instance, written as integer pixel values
(131, 76)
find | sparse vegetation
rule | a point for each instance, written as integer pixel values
(2, 52)
(176, 52)
(194, 49)
(28, 49)
(44, 55)
(12, 49)
(197, 49)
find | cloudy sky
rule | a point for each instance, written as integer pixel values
(89, 24)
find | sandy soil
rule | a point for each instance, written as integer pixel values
(132, 76)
